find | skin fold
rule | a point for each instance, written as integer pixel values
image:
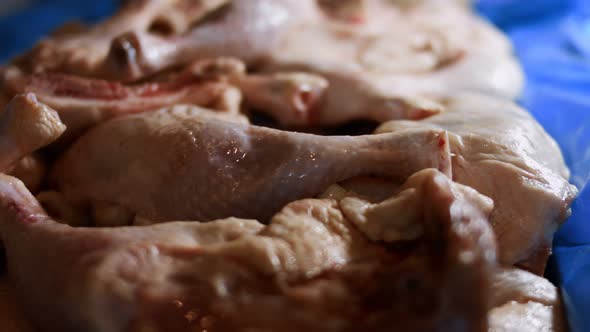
(257, 276)
(176, 168)
(383, 67)
(487, 146)
(502, 152)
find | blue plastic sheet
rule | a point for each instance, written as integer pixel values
(552, 40)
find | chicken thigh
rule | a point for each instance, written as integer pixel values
(502, 152)
(83, 102)
(389, 66)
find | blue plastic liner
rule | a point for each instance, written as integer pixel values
(552, 40)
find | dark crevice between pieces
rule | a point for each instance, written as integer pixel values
(2, 260)
(161, 27)
(351, 128)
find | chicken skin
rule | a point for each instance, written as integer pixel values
(213, 168)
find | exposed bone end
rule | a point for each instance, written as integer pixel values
(131, 56)
(290, 98)
(30, 124)
(124, 59)
(442, 141)
(422, 108)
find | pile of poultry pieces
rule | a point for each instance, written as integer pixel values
(276, 165)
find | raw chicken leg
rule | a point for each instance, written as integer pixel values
(309, 270)
(502, 152)
(384, 68)
(182, 163)
(364, 233)
(218, 84)
(390, 66)
(82, 51)
(290, 98)
(82, 103)
(246, 29)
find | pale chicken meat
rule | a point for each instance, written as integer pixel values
(212, 168)
(493, 142)
(288, 97)
(524, 302)
(380, 67)
(80, 50)
(502, 152)
(179, 172)
(220, 84)
(310, 269)
(88, 109)
(111, 50)
(25, 126)
(82, 103)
